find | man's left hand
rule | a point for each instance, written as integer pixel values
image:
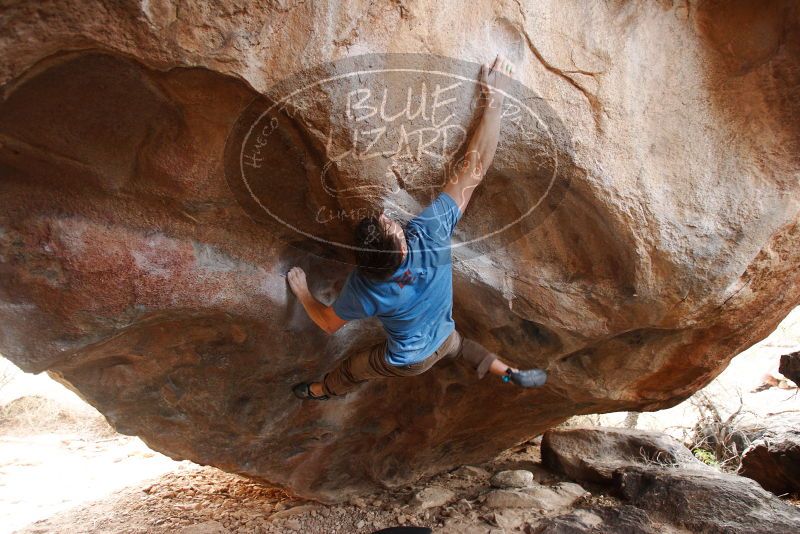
(496, 79)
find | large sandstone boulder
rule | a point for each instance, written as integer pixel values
(638, 229)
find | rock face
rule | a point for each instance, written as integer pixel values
(639, 226)
(666, 481)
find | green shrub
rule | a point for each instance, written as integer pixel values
(705, 456)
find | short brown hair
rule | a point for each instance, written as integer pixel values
(379, 252)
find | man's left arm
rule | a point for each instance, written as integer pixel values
(322, 315)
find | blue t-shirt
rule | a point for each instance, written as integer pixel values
(415, 305)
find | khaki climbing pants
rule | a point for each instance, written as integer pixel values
(371, 363)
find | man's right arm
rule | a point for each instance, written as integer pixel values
(482, 144)
(324, 316)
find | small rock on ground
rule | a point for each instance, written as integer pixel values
(536, 496)
(431, 497)
(517, 478)
(469, 472)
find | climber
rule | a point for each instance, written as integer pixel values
(404, 277)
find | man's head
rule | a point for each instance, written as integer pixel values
(381, 246)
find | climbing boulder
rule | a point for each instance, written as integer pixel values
(161, 168)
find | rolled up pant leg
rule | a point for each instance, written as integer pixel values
(476, 355)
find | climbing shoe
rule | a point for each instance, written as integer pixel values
(303, 391)
(530, 378)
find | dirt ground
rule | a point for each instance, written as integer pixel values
(205, 500)
(154, 494)
(66, 471)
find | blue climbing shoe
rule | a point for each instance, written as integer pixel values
(530, 378)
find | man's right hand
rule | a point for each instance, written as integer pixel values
(297, 283)
(322, 315)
